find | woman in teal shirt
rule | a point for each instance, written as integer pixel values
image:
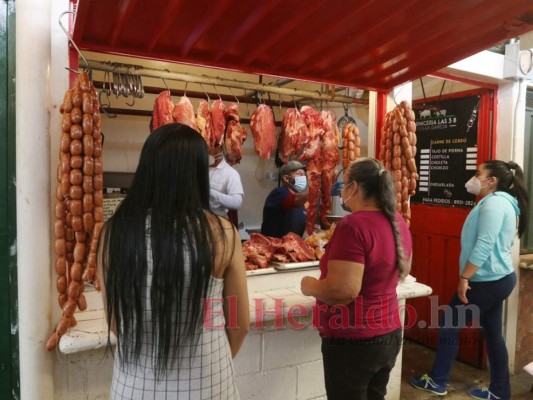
(486, 278)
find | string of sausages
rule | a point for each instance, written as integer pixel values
(397, 151)
(351, 144)
(79, 201)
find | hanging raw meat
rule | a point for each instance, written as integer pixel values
(232, 112)
(294, 134)
(312, 117)
(218, 122)
(314, 123)
(312, 153)
(183, 112)
(235, 135)
(314, 172)
(163, 107)
(264, 131)
(203, 120)
(330, 159)
(328, 120)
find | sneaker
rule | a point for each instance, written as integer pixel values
(483, 394)
(424, 382)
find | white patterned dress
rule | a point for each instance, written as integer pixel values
(204, 373)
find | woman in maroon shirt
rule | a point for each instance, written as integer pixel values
(357, 305)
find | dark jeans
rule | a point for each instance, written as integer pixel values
(488, 297)
(359, 369)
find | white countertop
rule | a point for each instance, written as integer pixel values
(267, 291)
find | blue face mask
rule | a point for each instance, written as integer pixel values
(300, 183)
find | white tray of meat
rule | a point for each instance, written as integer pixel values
(294, 265)
(261, 271)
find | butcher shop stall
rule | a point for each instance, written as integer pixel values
(257, 79)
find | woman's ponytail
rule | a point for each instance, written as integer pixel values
(518, 190)
(387, 199)
(511, 180)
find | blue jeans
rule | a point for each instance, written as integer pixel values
(488, 297)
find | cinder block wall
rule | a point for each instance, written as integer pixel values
(281, 364)
(286, 364)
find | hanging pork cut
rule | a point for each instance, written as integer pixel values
(294, 134)
(203, 120)
(330, 159)
(183, 112)
(218, 122)
(263, 130)
(162, 113)
(314, 123)
(236, 134)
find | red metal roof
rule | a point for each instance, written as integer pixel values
(365, 44)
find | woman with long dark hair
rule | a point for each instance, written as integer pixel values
(486, 276)
(174, 278)
(357, 305)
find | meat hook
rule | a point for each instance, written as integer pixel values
(71, 40)
(106, 84)
(140, 88)
(216, 91)
(165, 82)
(236, 98)
(247, 107)
(104, 107)
(208, 99)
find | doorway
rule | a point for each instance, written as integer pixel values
(437, 219)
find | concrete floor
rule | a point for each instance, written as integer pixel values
(418, 359)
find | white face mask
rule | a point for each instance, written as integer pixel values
(300, 183)
(474, 185)
(343, 202)
(213, 159)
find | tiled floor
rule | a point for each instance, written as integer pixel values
(417, 359)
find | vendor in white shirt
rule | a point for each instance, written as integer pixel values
(226, 191)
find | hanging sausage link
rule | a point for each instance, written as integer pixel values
(79, 201)
(397, 151)
(351, 144)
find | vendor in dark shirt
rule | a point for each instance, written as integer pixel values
(284, 210)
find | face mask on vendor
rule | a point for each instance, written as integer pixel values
(343, 201)
(300, 183)
(214, 158)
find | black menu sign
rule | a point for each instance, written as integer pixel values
(446, 133)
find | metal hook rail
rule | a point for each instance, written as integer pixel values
(203, 79)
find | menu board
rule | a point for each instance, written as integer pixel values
(110, 205)
(446, 159)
